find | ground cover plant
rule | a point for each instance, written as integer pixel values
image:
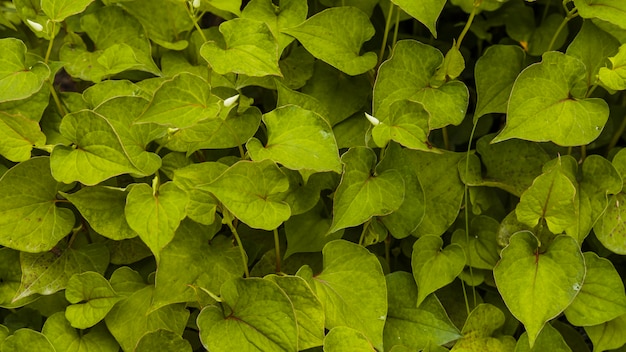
(337, 175)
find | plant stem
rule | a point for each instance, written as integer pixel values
(385, 34)
(388, 250)
(194, 19)
(242, 251)
(583, 153)
(467, 228)
(567, 18)
(50, 44)
(446, 139)
(395, 29)
(468, 24)
(277, 248)
(57, 100)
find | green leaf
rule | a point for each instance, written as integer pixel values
(495, 73)
(443, 190)
(538, 285)
(434, 266)
(308, 232)
(479, 328)
(251, 49)
(99, 93)
(335, 36)
(417, 63)
(127, 49)
(10, 279)
(426, 12)
(202, 204)
(550, 198)
(601, 297)
(181, 102)
(49, 272)
(96, 293)
(155, 214)
(256, 315)
(164, 21)
(26, 340)
(163, 340)
(548, 340)
(193, 261)
(288, 13)
(362, 193)
(17, 80)
(233, 130)
(97, 153)
(609, 335)
(593, 46)
(412, 326)
(610, 228)
(548, 103)
(252, 192)
(307, 308)
(407, 124)
(133, 317)
(615, 77)
(30, 221)
(298, 139)
(481, 246)
(346, 339)
(59, 10)
(65, 338)
(103, 208)
(404, 221)
(352, 290)
(612, 11)
(19, 134)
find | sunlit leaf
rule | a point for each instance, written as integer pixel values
(91, 296)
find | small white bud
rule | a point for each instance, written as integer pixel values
(228, 102)
(196, 3)
(34, 25)
(172, 130)
(372, 119)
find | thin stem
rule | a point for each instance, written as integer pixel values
(446, 139)
(57, 100)
(386, 33)
(242, 251)
(545, 11)
(194, 19)
(388, 250)
(395, 30)
(50, 44)
(241, 152)
(468, 24)
(583, 153)
(617, 135)
(466, 196)
(211, 294)
(567, 18)
(277, 247)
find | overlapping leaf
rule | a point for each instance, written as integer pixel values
(17, 80)
(615, 77)
(362, 193)
(91, 297)
(288, 13)
(407, 124)
(298, 139)
(63, 336)
(613, 11)
(58, 10)
(479, 327)
(30, 220)
(426, 12)
(335, 36)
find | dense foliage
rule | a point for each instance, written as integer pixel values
(337, 175)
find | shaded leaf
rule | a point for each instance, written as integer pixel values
(25, 340)
(407, 124)
(479, 329)
(91, 297)
(346, 339)
(65, 338)
(163, 340)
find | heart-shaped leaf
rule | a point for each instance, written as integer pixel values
(298, 139)
(352, 290)
(615, 77)
(362, 194)
(155, 215)
(163, 340)
(251, 49)
(17, 80)
(63, 336)
(434, 266)
(346, 339)
(103, 208)
(426, 12)
(19, 134)
(479, 327)
(537, 285)
(548, 103)
(602, 296)
(413, 326)
(252, 192)
(33, 223)
(548, 340)
(24, 340)
(58, 10)
(181, 102)
(288, 13)
(255, 315)
(613, 11)
(335, 36)
(96, 293)
(49, 272)
(609, 335)
(407, 124)
(417, 63)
